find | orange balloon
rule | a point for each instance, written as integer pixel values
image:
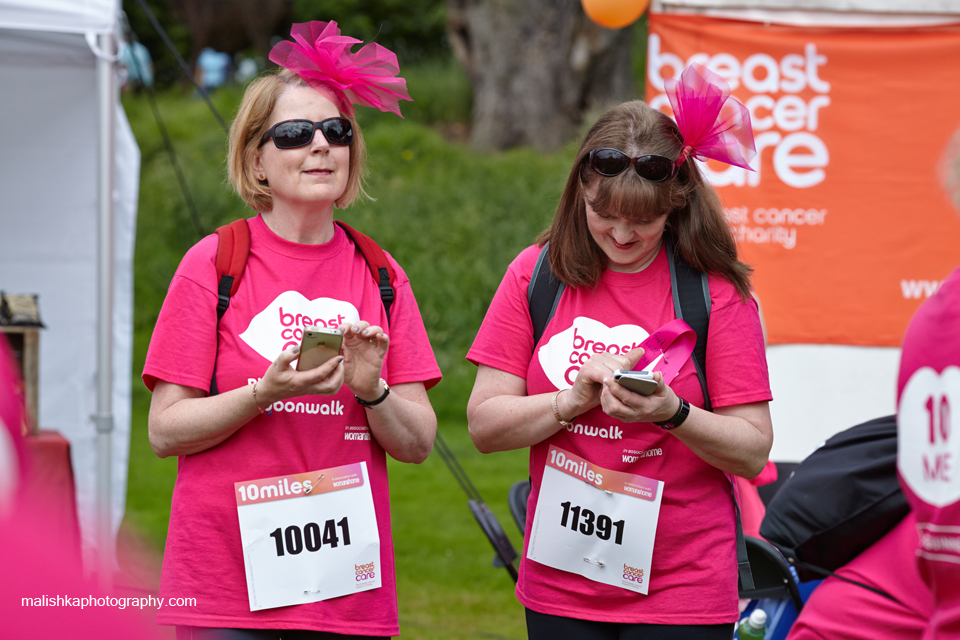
(614, 14)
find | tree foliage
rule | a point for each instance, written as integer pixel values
(414, 29)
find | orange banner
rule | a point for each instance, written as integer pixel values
(844, 219)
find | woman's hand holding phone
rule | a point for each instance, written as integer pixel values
(586, 391)
(364, 348)
(619, 402)
(281, 381)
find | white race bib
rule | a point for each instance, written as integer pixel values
(595, 522)
(928, 435)
(308, 536)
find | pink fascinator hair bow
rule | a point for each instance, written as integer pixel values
(712, 122)
(322, 57)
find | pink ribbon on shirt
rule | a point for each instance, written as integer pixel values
(675, 341)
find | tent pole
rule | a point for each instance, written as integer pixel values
(107, 94)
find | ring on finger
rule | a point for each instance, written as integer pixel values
(372, 341)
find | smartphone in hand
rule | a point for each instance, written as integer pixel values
(641, 382)
(318, 346)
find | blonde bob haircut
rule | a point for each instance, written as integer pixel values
(695, 223)
(253, 120)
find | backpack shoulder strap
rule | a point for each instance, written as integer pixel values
(232, 252)
(233, 249)
(691, 302)
(543, 293)
(380, 268)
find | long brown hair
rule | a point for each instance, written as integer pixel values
(695, 222)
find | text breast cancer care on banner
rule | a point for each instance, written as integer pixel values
(844, 219)
(595, 522)
(308, 536)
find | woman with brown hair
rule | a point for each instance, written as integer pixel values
(631, 526)
(280, 523)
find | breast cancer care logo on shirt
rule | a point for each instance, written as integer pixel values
(562, 357)
(280, 325)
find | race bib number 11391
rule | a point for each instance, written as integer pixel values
(595, 522)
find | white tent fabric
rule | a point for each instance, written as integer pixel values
(71, 16)
(847, 384)
(49, 231)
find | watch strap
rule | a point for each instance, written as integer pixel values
(677, 419)
(373, 403)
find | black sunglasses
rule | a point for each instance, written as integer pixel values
(291, 134)
(611, 162)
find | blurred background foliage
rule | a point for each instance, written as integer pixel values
(413, 29)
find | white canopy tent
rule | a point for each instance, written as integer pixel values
(821, 389)
(70, 177)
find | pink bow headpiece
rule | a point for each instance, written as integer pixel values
(322, 57)
(712, 122)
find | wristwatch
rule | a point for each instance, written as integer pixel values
(373, 403)
(678, 417)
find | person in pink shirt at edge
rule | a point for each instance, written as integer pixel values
(839, 610)
(928, 437)
(918, 561)
(44, 593)
(296, 153)
(633, 188)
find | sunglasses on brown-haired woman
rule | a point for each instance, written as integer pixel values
(612, 162)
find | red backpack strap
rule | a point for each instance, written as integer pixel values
(380, 268)
(232, 252)
(233, 248)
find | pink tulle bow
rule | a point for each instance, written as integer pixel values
(322, 57)
(713, 123)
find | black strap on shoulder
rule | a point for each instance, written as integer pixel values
(223, 303)
(691, 303)
(543, 294)
(223, 296)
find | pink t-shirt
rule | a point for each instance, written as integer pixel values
(285, 286)
(693, 577)
(928, 447)
(838, 610)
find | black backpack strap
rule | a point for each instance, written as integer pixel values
(543, 294)
(691, 302)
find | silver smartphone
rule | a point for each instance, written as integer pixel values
(641, 382)
(318, 346)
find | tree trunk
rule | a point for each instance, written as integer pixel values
(537, 67)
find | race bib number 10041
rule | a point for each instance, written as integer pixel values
(308, 536)
(595, 522)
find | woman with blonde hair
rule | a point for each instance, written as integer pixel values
(280, 523)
